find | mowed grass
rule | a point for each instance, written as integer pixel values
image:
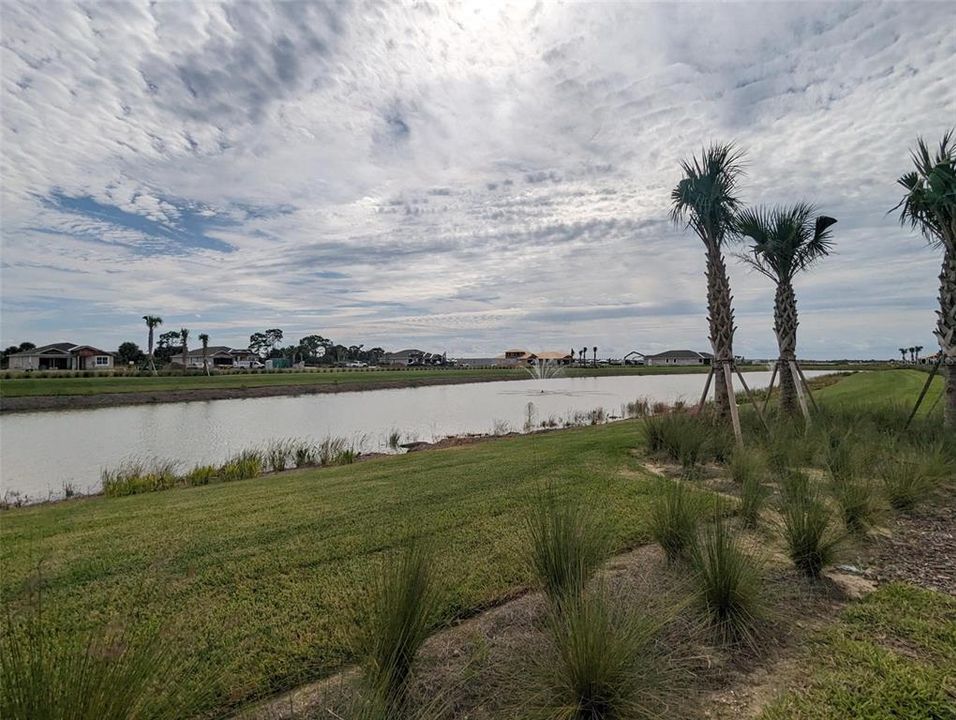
(259, 579)
(892, 655)
(885, 388)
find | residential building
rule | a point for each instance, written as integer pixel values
(679, 357)
(62, 356)
(218, 357)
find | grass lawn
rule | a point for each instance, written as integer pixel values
(259, 578)
(892, 655)
(26, 386)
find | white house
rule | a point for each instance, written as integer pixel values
(218, 356)
(679, 357)
(62, 356)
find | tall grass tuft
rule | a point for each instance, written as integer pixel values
(106, 676)
(600, 664)
(746, 463)
(811, 539)
(402, 606)
(139, 476)
(678, 436)
(912, 474)
(728, 580)
(200, 475)
(565, 547)
(674, 517)
(856, 499)
(245, 465)
(753, 498)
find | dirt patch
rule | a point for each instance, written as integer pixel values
(920, 548)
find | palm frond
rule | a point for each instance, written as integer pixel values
(929, 203)
(705, 199)
(785, 239)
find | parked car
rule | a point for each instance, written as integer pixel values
(356, 364)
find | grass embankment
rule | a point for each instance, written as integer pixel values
(259, 578)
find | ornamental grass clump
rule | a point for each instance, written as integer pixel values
(139, 476)
(911, 475)
(245, 465)
(107, 675)
(600, 662)
(674, 518)
(565, 546)
(678, 436)
(857, 501)
(812, 540)
(753, 498)
(728, 580)
(401, 607)
(746, 463)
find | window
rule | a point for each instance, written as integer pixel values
(102, 359)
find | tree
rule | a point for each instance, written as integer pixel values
(259, 344)
(152, 322)
(313, 344)
(167, 345)
(583, 355)
(184, 334)
(903, 353)
(912, 351)
(204, 339)
(595, 355)
(129, 353)
(572, 355)
(274, 336)
(785, 241)
(919, 349)
(705, 200)
(929, 204)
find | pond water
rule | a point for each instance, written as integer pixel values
(40, 452)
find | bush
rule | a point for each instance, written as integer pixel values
(728, 582)
(565, 547)
(674, 518)
(678, 436)
(245, 465)
(746, 463)
(139, 476)
(200, 475)
(401, 607)
(812, 542)
(600, 662)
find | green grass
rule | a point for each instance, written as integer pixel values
(892, 655)
(267, 572)
(882, 389)
(26, 387)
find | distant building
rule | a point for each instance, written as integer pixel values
(679, 357)
(218, 356)
(525, 358)
(62, 356)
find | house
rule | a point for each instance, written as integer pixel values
(679, 357)
(405, 357)
(218, 356)
(62, 356)
(556, 357)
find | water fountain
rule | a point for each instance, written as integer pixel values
(544, 370)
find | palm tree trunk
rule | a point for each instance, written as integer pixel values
(946, 331)
(152, 361)
(785, 326)
(720, 315)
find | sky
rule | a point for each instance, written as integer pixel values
(463, 177)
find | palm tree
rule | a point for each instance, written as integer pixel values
(152, 322)
(572, 356)
(786, 241)
(912, 351)
(204, 338)
(930, 205)
(705, 200)
(903, 353)
(595, 355)
(583, 355)
(919, 349)
(184, 334)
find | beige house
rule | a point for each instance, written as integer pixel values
(62, 356)
(218, 356)
(679, 357)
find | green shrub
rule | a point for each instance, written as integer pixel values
(746, 463)
(678, 436)
(303, 454)
(794, 485)
(401, 607)
(812, 541)
(728, 582)
(139, 476)
(565, 547)
(201, 475)
(245, 465)
(600, 662)
(277, 455)
(674, 517)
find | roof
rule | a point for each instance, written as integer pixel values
(410, 351)
(212, 350)
(553, 355)
(681, 354)
(64, 348)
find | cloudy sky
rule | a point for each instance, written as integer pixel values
(454, 176)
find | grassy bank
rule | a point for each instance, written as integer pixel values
(260, 577)
(257, 580)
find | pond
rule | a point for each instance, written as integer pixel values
(42, 451)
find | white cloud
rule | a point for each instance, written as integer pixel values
(470, 175)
